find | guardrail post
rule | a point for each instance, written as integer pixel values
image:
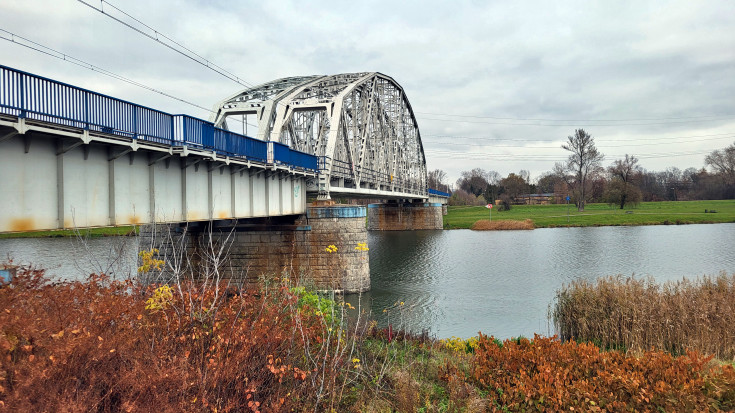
(135, 122)
(22, 97)
(85, 95)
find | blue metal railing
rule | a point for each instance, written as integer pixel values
(282, 154)
(438, 193)
(34, 97)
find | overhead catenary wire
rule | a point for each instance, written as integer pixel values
(576, 124)
(176, 46)
(546, 140)
(672, 141)
(38, 47)
(502, 157)
(156, 36)
(573, 120)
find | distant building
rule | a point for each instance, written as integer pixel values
(540, 199)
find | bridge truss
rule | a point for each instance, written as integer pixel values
(360, 125)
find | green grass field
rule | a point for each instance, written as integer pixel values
(647, 213)
(543, 216)
(87, 232)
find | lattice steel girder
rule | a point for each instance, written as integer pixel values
(361, 124)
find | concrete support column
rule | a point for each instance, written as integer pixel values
(347, 268)
(404, 216)
(250, 250)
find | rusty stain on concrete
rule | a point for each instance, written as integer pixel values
(134, 219)
(22, 224)
(194, 216)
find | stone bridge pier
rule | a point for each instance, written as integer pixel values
(405, 216)
(326, 248)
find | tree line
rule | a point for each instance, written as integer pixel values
(583, 178)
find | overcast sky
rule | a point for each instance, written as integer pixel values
(494, 85)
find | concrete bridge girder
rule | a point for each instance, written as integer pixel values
(74, 179)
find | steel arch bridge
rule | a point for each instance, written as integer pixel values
(360, 125)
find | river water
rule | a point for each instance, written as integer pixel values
(459, 282)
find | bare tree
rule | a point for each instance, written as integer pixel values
(437, 179)
(723, 163)
(493, 177)
(584, 160)
(622, 189)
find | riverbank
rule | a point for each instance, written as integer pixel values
(542, 216)
(647, 213)
(119, 346)
(65, 233)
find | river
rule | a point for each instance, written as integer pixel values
(459, 282)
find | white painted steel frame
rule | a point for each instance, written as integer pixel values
(361, 125)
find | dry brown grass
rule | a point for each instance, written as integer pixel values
(501, 225)
(639, 314)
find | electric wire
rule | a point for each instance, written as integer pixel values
(575, 124)
(545, 158)
(38, 47)
(186, 52)
(218, 69)
(573, 120)
(599, 144)
(543, 140)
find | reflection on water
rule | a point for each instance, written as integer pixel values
(460, 282)
(501, 282)
(74, 258)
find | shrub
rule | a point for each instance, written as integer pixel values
(501, 224)
(118, 346)
(639, 314)
(548, 375)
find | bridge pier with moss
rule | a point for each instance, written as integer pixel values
(326, 248)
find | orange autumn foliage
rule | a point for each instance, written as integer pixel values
(502, 225)
(547, 375)
(109, 346)
(93, 346)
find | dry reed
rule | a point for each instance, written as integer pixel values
(502, 224)
(639, 314)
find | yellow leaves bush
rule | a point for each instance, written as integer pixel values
(161, 299)
(149, 262)
(460, 345)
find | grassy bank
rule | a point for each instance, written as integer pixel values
(647, 213)
(86, 232)
(120, 346)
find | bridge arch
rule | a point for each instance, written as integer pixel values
(360, 125)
